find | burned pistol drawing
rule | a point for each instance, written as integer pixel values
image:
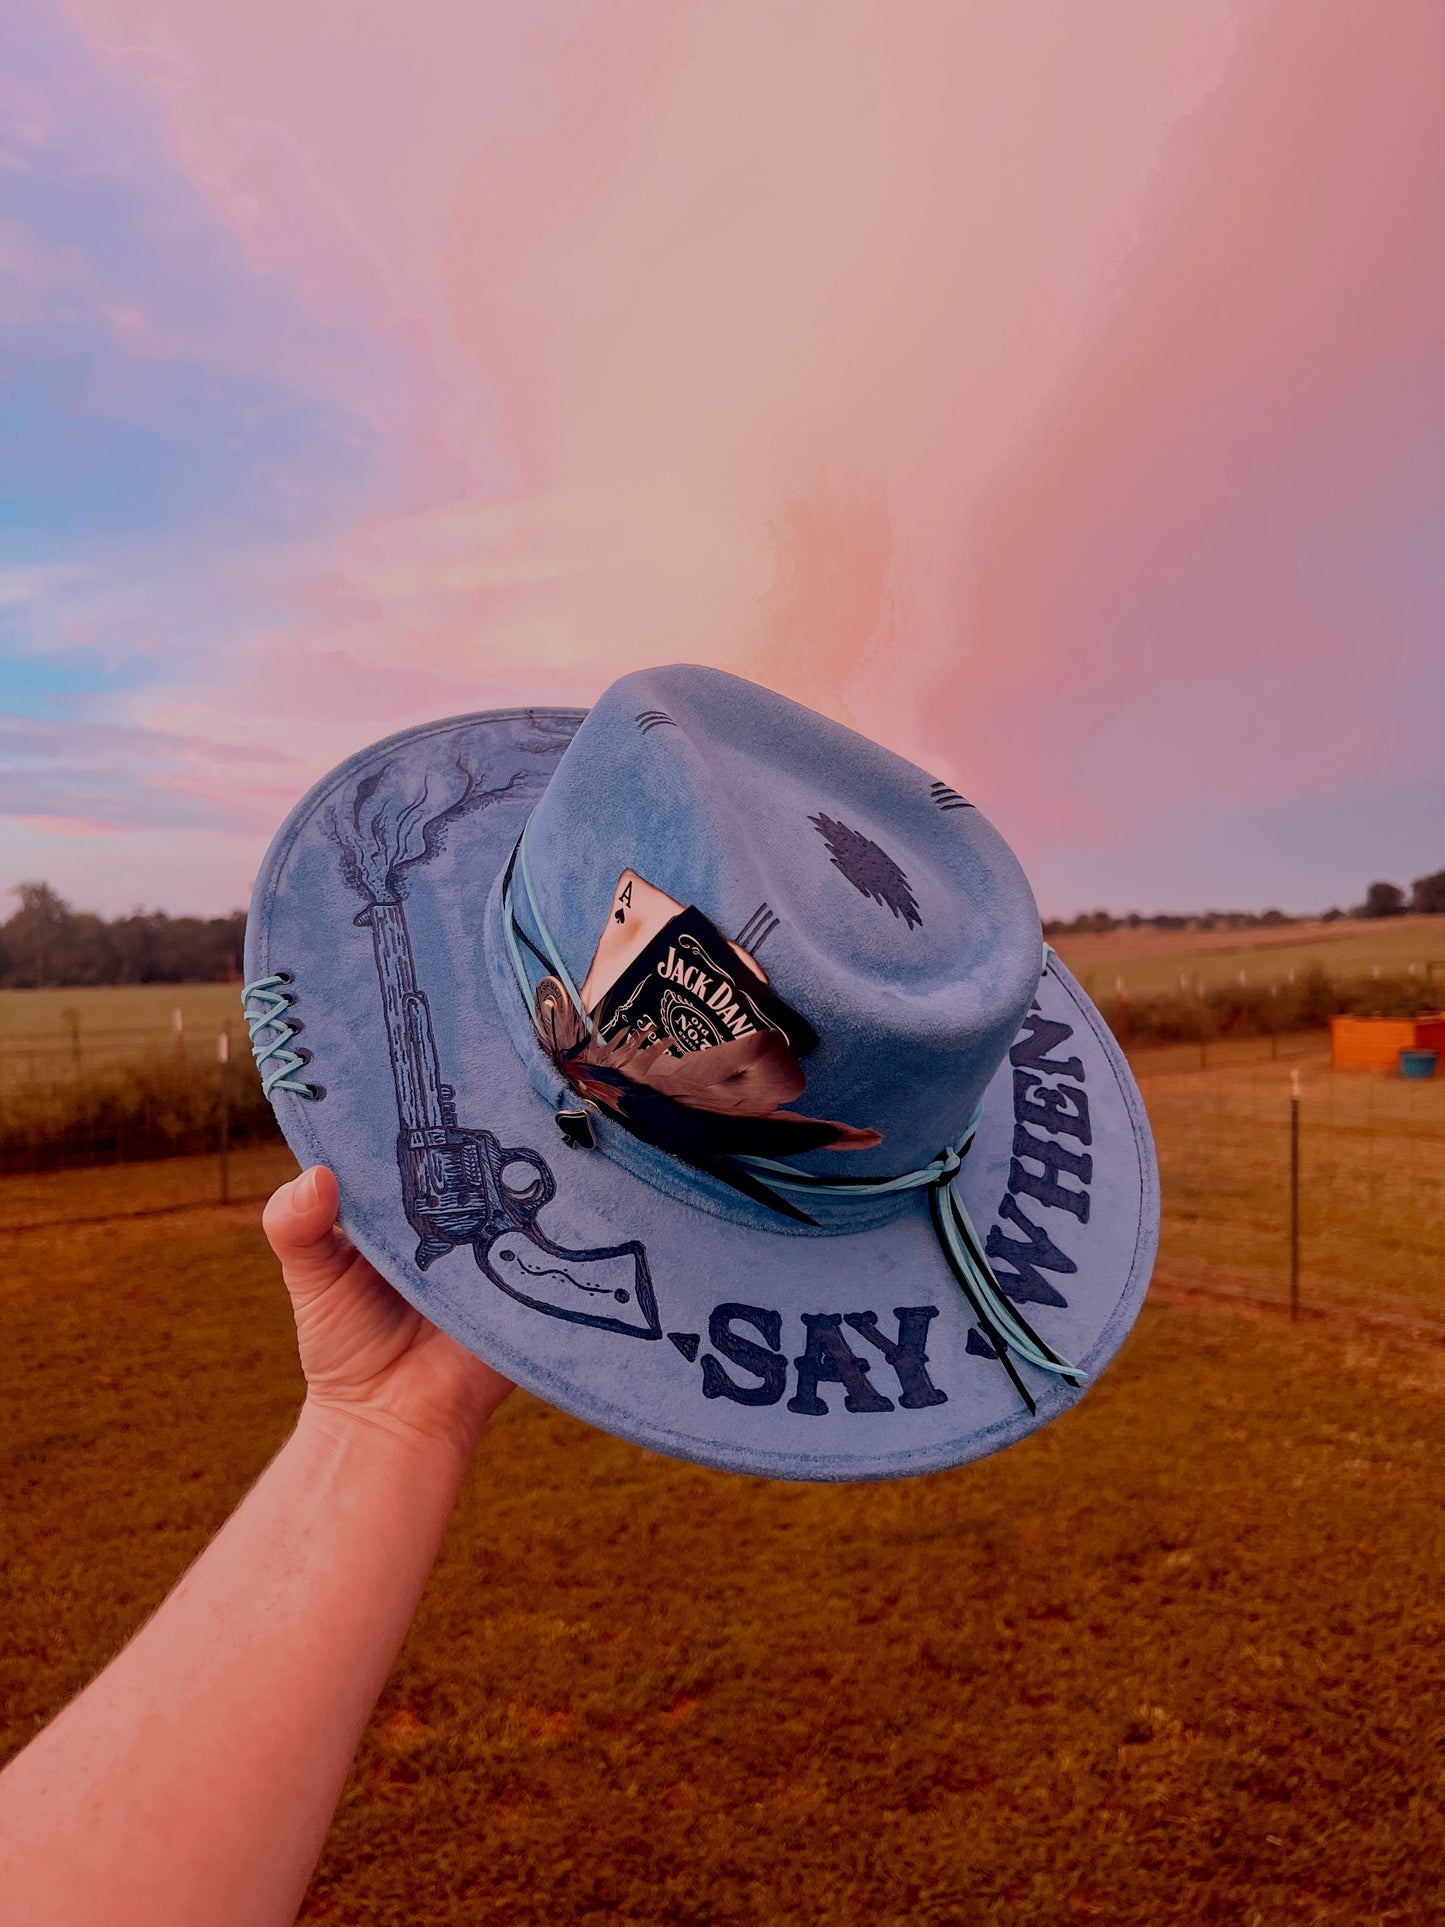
(459, 1185)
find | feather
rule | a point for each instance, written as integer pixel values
(706, 1105)
(750, 1075)
(559, 1028)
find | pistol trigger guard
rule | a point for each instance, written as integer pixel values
(525, 1202)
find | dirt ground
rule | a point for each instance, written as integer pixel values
(1178, 1658)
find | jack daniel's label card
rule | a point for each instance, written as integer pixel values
(639, 912)
(688, 985)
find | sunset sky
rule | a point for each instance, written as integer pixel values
(1054, 392)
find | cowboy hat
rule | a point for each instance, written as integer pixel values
(699, 1064)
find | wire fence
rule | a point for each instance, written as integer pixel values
(128, 1094)
(174, 1120)
(56, 1201)
(102, 1122)
(1337, 1205)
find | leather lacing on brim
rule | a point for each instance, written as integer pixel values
(275, 999)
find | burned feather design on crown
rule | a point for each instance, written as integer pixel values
(870, 870)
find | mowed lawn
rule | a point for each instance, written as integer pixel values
(117, 1020)
(45, 1034)
(1153, 961)
(1179, 1658)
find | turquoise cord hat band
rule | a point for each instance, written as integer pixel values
(1004, 1329)
(549, 955)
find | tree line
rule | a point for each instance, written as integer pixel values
(46, 942)
(1425, 897)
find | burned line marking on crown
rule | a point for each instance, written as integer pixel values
(756, 931)
(654, 719)
(948, 799)
(870, 870)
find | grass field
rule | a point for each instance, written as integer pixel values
(91, 1075)
(55, 1037)
(142, 1009)
(1152, 961)
(49, 1032)
(1179, 1658)
(120, 1190)
(1372, 1177)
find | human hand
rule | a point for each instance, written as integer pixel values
(367, 1354)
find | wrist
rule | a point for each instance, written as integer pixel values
(377, 1433)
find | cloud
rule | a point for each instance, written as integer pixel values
(22, 586)
(24, 737)
(740, 282)
(1211, 578)
(127, 778)
(165, 406)
(180, 439)
(1049, 391)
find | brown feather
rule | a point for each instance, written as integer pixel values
(749, 1075)
(752, 1076)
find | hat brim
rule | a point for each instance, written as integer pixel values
(649, 1315)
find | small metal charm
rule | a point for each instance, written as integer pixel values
(576, 1127)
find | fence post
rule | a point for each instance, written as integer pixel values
(223, 1054)
(1294, 1197)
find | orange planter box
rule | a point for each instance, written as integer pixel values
(1375, 1043)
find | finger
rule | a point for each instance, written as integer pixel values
(300, 1226)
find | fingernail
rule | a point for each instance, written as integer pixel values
(305, 1192)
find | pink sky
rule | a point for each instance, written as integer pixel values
(1052, 392)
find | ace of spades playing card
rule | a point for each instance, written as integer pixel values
(640, 912)
(650, 938)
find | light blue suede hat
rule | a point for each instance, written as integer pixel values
(699, 1064)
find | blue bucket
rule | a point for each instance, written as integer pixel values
(1418, 1063)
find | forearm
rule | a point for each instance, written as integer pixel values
(194, 1780)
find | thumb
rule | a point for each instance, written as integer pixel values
(300, 1226)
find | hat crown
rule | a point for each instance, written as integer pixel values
(885, 909)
